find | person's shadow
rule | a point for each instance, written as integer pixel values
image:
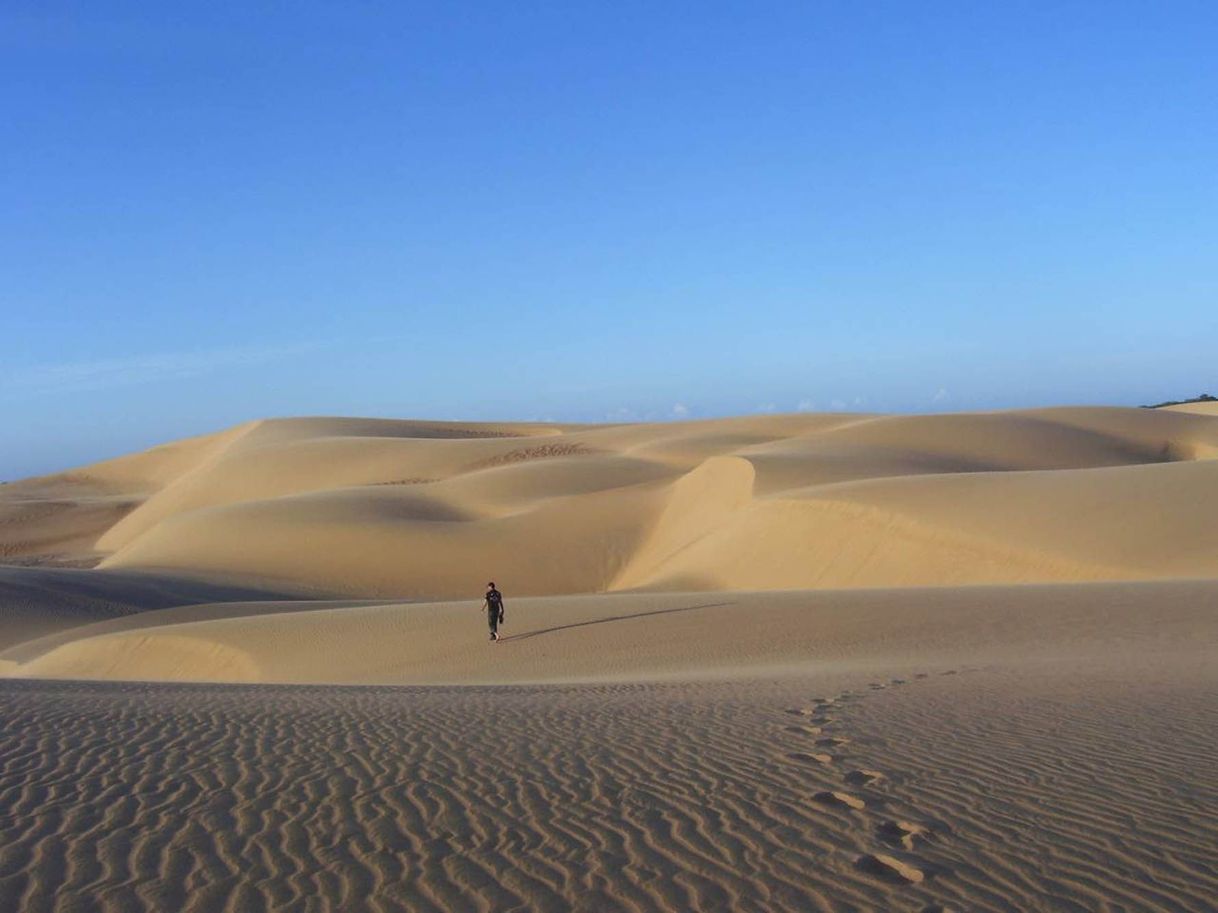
(603, 621)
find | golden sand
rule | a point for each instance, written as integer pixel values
(810, 662)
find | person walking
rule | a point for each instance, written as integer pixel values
(494, 609)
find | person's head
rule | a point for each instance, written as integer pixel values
(491, 585)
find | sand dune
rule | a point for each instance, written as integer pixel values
(830, 662)
(382, 508)
(1206, 408)
(36, 601)
(57, 519)
(635, 636)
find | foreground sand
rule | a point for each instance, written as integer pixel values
(780, 663)
(989, 789)
(992, 748)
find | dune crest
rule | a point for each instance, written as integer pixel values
(698, 503)
(1202, 408)
(775, 662)
(152, 656)
(385, 508)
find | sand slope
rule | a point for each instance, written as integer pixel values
(1206, 408)
(810, 662)
(35, 601)
(57, 519)
(427, 510)
(636, 636)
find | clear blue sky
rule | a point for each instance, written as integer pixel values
(589, 211)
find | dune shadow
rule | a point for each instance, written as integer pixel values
(602, 621)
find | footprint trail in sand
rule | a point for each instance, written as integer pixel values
(881, 864)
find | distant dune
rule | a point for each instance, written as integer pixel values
(832, 662)
(419, 509)
(1202, 408)
(406, 512)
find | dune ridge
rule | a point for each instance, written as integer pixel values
(803, 662)
(773, 502)
(1202, 408)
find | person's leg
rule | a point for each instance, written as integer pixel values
(492, 622)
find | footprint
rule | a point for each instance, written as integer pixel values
(897, 681)
(802, 730)
(836, 798)
(831, 741)
(862, 777)
(949, 672)
(922, 675)
(877, 686)
(823, 701)
(902, 833)
(800, 711)
(890, 868)
(808, 758)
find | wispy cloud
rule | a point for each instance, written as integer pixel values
(79, 376)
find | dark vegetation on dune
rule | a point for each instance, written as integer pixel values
(1203, 398)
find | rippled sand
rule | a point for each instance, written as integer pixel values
(749, 665)
(972, 789)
